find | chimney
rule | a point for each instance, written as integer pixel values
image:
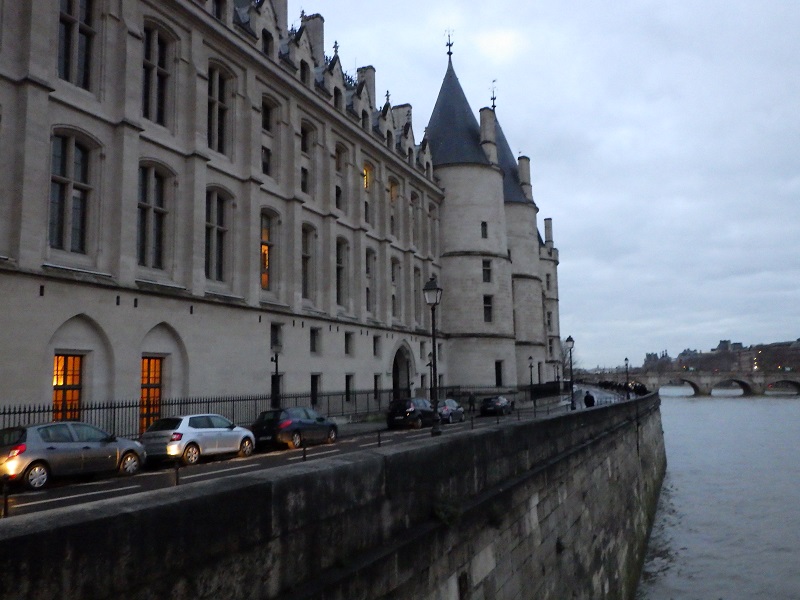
(488, 134)
(524, 165)
(548, 233)
(281, 10)
(315, 26)
(367, 74)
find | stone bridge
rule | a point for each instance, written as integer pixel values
(702, 382)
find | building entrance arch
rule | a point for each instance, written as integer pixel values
(402, 373)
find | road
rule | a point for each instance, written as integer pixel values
(69, 492)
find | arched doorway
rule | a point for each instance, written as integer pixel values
(401, 373)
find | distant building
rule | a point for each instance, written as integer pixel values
(192, 187)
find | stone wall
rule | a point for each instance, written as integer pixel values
(556, 509)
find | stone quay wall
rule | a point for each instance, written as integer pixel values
(554, 509)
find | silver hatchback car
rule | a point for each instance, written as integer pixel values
(189, 437)
(31, 454)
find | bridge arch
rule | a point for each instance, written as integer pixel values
(779, 384)
(747, 387)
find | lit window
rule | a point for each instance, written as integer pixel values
(67, 387)
(76, 42)
(266, 251)
(151, 391)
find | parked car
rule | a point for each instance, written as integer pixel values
(451, 411)
(496, 405)
(410, 412)
(190, 437)
(32, 454)
(293, 427)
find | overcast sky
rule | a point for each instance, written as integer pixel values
(664, 140)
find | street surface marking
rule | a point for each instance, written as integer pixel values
(222, 470)
(35, 502)
(315, 454)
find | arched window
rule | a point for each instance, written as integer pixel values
(389, 140)
(396, 287)
(410, 156)
(338, 102)
(153, 212)
(76, 47)
(305, 72)
(308, 261)
(415, 208)
(372, 279)
(267, 249)
(220, 88)
(364, 119)
(71, 192)
(394, 196)
(266, 43)
(156, 73)
(306, 138)
(342, 266)
(218, 218)
(218, 9)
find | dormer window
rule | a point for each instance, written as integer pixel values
(266, 42)
(305, 72)
(364, 119)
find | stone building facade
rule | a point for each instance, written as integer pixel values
(198, 201)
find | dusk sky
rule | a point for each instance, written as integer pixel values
(664, 140)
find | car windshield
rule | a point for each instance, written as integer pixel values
(165, 424)
(270, 416)
(11, 436)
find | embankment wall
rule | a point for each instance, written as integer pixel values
(553, 509)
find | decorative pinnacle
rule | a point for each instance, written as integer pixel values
(387, 97)
(494, 95)
(335, 48)
(449, 44)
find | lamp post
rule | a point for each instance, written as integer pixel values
(433, 295)
(627, 393)
(570, 346)
(430, 366)
(530, 369)
(275, 399)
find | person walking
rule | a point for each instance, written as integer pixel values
(471, 402)
(588, 399)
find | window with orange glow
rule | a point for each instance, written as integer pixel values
(266, 248)
(67, 387)
(150, 400)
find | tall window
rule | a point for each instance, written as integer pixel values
(67, 387)
(267, 115)
(155, 75)
(266, 160)
(487, 309)
(342, 252)
(266, 250)
(75, 41)
(369, 265)
(394, 195)
(547, 280)
(266, 42)
(484, 229)
(69, 194)
(305, 72)
(549, 321)
(487, 271)
(307, 262)
(152, 218)
(367, 176)
(150, 399)
(216, 234)
(218, 84)
(218, 9)
(417, 295)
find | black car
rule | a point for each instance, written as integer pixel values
(410, 412)
(293, 427)
(496, 405)
(451, 411)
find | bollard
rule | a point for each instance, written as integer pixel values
(379, 439)
(498, 418)
(303, 443)
(472, 422)
(5, 496)
(177, 468)
(519, 415)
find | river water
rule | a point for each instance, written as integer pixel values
(728, 520)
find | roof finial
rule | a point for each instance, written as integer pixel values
(387, 96)
(494, 95)
(449, 43)
(336, 48)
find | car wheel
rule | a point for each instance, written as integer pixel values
(463, 418)
(36, 476)
(246, 447)
(130, 464)
(417, 424)
(331, 436)
(297, 440)
(191, 454)
(450, 418)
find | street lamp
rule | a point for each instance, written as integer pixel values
(433, 295)
(627, 393)
(570, 346)
(275, 399)
(530, 368)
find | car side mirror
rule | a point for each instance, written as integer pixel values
(232, 426)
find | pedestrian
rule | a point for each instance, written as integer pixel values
(588, 399)
(472, 403)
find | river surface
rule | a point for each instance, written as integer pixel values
(728, 520)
